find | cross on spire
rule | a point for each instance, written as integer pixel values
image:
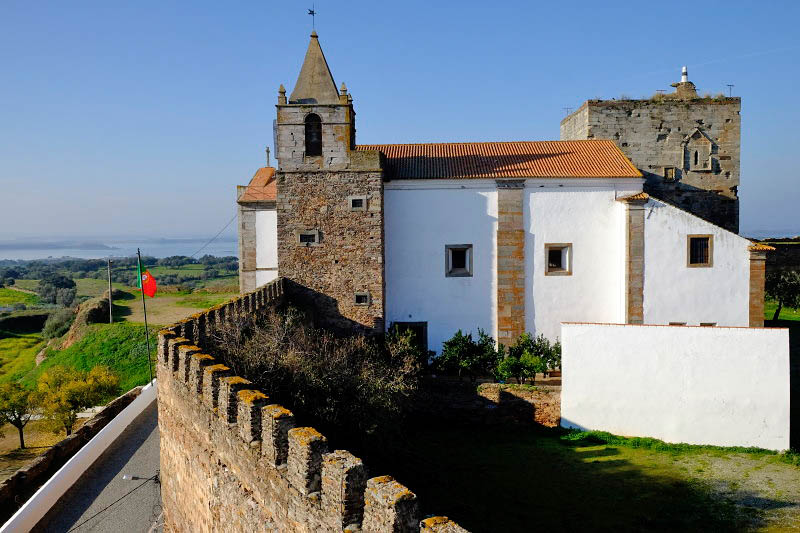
(313, 13)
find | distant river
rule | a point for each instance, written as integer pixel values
(100, 249)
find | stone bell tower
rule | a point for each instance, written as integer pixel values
(686, 146)
(329, 201)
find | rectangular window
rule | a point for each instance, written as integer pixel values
(357, 203)
(558, 257)
(361, 298)
(677, 323)
(700, 249)
(669, 173)
(708, 324)
(458, 260)
(308, 238)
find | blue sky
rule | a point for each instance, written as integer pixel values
(139, 118)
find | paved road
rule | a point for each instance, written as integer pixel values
(134, 453)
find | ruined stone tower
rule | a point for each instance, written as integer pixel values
(687, 147)
(329, 199)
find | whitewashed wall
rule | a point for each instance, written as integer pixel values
(420, 219)
(266, 246)
(699, 385)
(674, 292)
(592, 220)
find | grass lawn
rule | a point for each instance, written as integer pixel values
(786, 313)
(528, 479)
(119, 346)
(27, 284)
(167, 307)
(157, 271)
(11, 296)
(18, 354)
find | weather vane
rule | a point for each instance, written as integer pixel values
(312, 12)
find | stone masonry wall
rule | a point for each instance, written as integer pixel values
(246, 218)
(233, 461)
(652, 134)
(510, 261)
(349, 256)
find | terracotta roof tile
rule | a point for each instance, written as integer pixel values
(761, 247)
(262, 188)
(638, 197)
(526, 159)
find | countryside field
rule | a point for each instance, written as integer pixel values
(121, 346)
(12, 296)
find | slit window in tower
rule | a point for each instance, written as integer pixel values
(313, 135)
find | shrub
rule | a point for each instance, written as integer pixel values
(530, 355)
(509, 367)
(348, 384)
(463, 356)
(58, 323)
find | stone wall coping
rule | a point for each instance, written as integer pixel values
(337, 479)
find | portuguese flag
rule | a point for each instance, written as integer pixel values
(145, 281)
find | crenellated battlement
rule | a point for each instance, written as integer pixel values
(232, 460)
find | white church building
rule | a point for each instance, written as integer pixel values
(505, 236)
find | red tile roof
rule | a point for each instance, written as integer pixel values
(526, 159)
(262, 188)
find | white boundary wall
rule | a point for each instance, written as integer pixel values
(698, 385)
(37, 506)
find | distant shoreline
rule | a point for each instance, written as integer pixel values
(28, 250)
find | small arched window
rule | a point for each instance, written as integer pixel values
(313, 135)
(695, 155)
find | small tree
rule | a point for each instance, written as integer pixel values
(65, 392)
(532, 364)
(462, 355)
(784, 288)
(509, 367)
(459, 355)
(16, 407)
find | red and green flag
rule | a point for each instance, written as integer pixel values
(146, 282)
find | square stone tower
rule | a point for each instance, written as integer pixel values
(329, 200)
(686, 147)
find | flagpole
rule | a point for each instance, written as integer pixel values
(144, 306)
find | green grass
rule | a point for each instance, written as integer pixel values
(602, 437)
(185, 269)
(786, 313)
(27, 284)
(203, 300)
(18, 354)
(11, 296)
(523, 479)
(119, 346)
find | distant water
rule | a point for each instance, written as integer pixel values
(101, 249)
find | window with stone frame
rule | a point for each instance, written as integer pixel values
(308, 238)
(558, 259)
(670, 174)
(458, 260)
(361, 298)
(700, 250)
(313, 134)
(357, 203)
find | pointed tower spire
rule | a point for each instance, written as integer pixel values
(315, 83)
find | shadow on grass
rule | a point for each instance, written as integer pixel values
(524, 479)
(794, 377)
(120, 312)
